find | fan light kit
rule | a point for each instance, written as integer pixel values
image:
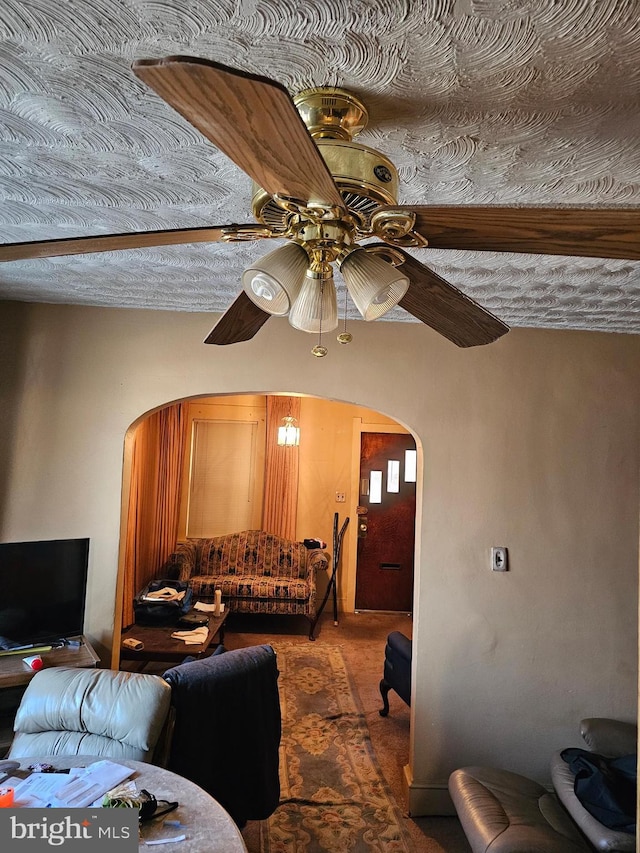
(324, 193)
(297, 279)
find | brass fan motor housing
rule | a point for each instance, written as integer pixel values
(331, 113)
(365, 177)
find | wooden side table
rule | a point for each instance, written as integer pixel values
(160, 646)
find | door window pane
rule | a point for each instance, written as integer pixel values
(410, 465)
(393, 475)
(375, 487)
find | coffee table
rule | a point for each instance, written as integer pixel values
(160, 646)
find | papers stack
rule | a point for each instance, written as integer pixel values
(81, 787)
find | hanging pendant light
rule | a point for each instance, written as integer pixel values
(289, 432)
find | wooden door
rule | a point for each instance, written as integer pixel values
(386, 522)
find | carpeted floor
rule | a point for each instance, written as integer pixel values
(333, 796)
(361, 638)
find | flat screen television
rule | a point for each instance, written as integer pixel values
(42, 591)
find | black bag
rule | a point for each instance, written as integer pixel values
(162, 612)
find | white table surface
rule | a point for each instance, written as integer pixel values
(208, 827)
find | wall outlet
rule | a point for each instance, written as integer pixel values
(499, 559)
(340, 497)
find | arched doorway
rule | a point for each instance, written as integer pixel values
(328, 479)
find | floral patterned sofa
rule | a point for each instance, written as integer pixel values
(257, 572)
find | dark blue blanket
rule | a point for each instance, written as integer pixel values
(228, 727)
(606, 787)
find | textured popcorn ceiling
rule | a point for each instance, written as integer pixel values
(476, 101)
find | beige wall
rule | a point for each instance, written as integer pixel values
(530, 443)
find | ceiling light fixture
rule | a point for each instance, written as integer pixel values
(324, 235)
(298, 280)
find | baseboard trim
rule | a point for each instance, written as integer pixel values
(427, 799)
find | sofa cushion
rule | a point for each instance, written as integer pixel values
(253, 552)
(251, 586)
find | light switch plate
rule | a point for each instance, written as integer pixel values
(499, 559)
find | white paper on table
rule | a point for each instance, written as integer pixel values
(38, 789)
(94, 782)
(207, 608)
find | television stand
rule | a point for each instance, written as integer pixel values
(15, 675)
(13, 672)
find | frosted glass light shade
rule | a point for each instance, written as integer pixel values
(274, 281)
(374, 285)
(289, 432)
(315, 306)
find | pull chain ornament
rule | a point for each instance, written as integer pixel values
(319, 351)
(345, 337)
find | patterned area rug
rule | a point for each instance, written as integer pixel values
(333, 797)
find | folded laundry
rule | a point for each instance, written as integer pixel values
(164, 594)
(192, 637)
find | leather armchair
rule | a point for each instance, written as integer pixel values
(70, 711)
(397, 670)
(504, 812)
(611, 738)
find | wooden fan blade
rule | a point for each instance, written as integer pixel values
(108, 243)
(446, 309)
(251, 119)
(587, 232)
(240, 322)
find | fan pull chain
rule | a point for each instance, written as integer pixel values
(345, 337)
(319, 351)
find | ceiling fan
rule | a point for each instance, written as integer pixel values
(324, 194)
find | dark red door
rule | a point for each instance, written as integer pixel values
(386, 522)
